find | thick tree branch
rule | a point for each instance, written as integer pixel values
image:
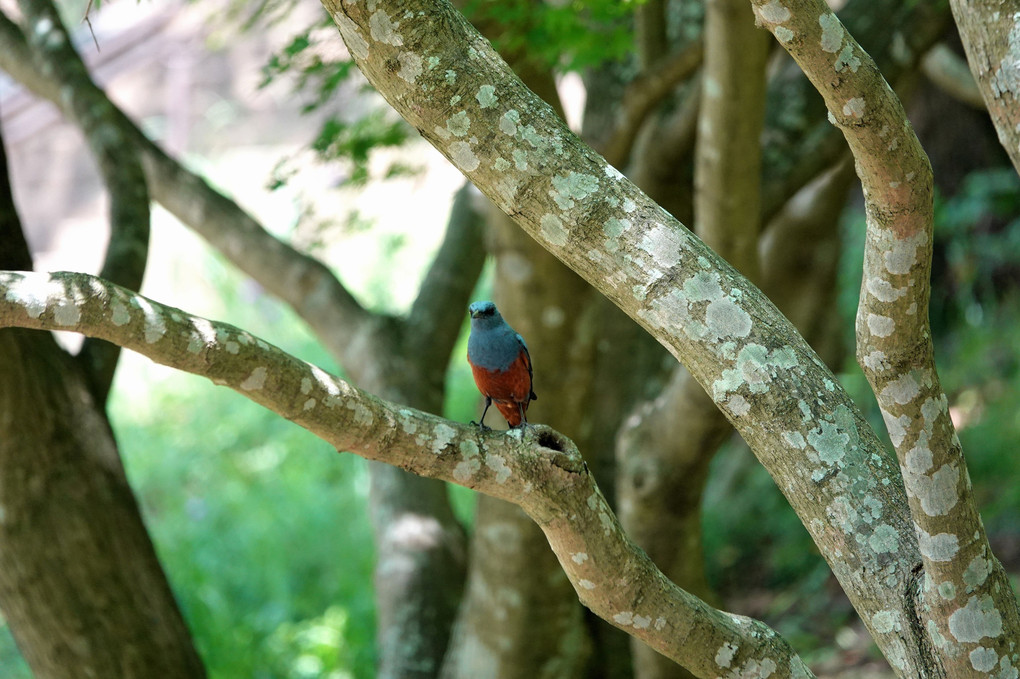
(782, 399)
(108, 136)
(894, 340)
(537, 469)
(990, 32)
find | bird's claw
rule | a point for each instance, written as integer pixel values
(482, 427)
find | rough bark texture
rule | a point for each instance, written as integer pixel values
(77, 569)
(990, 31)
(538, 469)
(966, 604)
(774, 389)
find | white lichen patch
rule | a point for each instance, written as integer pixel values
(946, 590)
(579, 557)
(362, 415)
(883, 291)
(1006, 79)
(881, 326)
(155, 325)
(975, 621)
(586, 584)
(902, 390)
(724, 656)
(703, 286)
(663, 245)
(232, 347)
(876, 361)
(847, 59)
(884, 539)
(410, 66)
(256, 380)
(886, 621)
(854, 108)
(723, 318)
(977, 572)
(497, 463)
(832, 32)
(463, 157)
(486, 96)
(773, 12)
(794, 439)
(119, 313)
(939, 547)
(574, 186)
(896, 426)
(623, 617)
(641, 622)
(444, 434)
(901, 255)
(66, 311)
(458, 124)
(755, 367)
(783, 34)
(465, 469)
(382, 29)
(520, 157)
(306, 385)
(753, 669)
(738, 405)
(983, 659)
(508, 123)
(309, 404)
(553, 230)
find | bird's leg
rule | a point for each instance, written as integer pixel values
(524, 415)
(481, 420)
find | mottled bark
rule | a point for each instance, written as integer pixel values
(666, 447)
(966, 604)
(538, 468)
(785, 403)
(990, 32)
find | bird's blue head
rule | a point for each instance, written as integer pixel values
(484, 314)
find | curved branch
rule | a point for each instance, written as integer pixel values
(894, 340)
(537, 469)
(108, 136)
(643, 94)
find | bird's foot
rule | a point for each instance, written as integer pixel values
(482, 427)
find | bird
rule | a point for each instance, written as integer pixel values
(501, 365)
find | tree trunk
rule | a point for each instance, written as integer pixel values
(80, 584)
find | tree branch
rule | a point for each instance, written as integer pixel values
(990, 32)
(782, 399)
(108, 136)
(537, 469)
(894, 338)
(646, 92)
(949, 72)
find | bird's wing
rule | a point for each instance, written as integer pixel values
(531, 373)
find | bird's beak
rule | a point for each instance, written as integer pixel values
(473, 314)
